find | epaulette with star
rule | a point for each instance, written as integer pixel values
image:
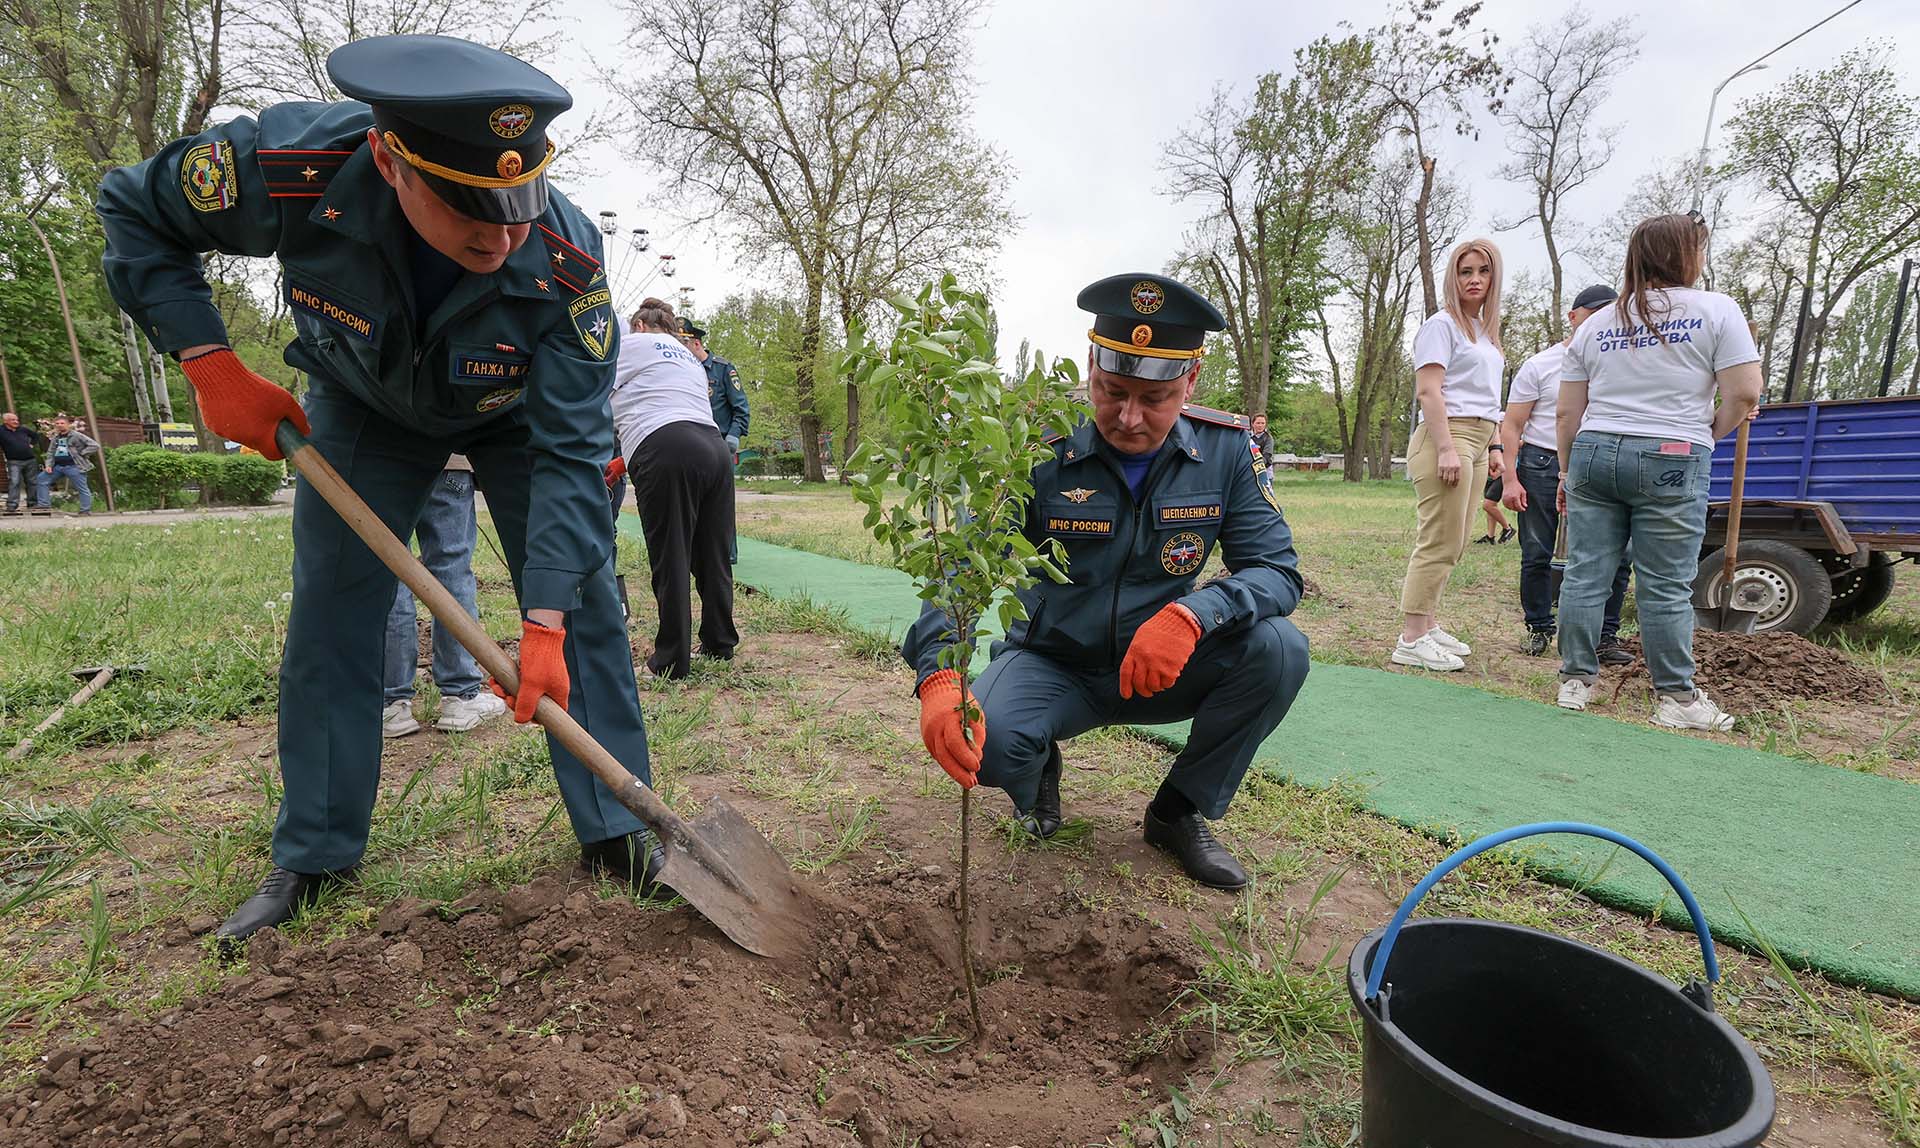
(299, 173)
(1217, 418)
(573, 268)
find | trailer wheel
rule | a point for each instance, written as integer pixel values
(1802, 591)
(1859, 591)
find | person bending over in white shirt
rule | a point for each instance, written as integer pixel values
(1635, 427)
(1457, 365)
(682, 472)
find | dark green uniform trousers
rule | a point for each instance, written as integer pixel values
(330, 689)
(1236, 688)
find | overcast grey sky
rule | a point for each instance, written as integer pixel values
(1082, 94)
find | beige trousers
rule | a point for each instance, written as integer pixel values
(1445, 512)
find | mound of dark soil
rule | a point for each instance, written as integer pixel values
(1746, 672)
(542, 1016)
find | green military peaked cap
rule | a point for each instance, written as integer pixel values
(1148, 326)
(471, 120)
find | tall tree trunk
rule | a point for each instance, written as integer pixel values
(136, 367)
(1820, 328)
(157, 371)
(209, 442)
(1429, 297)
(1339, 396)
(1913, 381)
(853, 410)
(812, 470)
(1556, 322)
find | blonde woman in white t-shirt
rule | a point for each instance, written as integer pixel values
(1636, 426)
(1457, 366)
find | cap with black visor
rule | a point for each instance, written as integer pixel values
(471, 121)
(1148, 326)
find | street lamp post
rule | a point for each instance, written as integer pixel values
(1700, 164)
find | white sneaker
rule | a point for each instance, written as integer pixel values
(1425, 653)
(397, 720)
(1574, 694)
(1698, 712)
(458, 715)
(1449, 643)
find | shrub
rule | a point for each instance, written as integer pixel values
(789, 464)
(147, 475)
(249, 479)
(754, 467)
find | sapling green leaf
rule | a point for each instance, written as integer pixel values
(960, 441)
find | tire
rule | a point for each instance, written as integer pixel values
(1859, 591)
(1803, 590)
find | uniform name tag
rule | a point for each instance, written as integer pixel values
(1081, 527)
(482, 368)
(347, 319)
(1202, 512)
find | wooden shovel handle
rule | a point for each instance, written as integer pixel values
(1735, 497)
(94, 685)
(447, 611)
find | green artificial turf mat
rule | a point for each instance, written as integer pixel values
(1825, 861)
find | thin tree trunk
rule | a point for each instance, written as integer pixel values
(1557, 320)
(1339, 396)
(812, 468)
(136, 367)
(1430, 298)
(162, 396)
(853, 412)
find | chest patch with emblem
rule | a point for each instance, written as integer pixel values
(1183, 553)
(1080, 527)
(1078, 494)
(349, 319)
(493, 400)
(1189, 514)
(488, 368)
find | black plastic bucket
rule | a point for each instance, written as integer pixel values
(1487, 1035)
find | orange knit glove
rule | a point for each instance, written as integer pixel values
(240, 404)
(940, 728)
(616, 470)
(543, 670)
(1159, 651)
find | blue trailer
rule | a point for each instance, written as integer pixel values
(1832, 503)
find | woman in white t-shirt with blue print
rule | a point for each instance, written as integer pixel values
(1457, 365)
(1636, 426)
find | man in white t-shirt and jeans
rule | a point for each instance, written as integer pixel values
(1530, 483)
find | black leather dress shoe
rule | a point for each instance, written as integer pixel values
(634, 860)
(280, 896)
(1190, 840)
(1044, 820)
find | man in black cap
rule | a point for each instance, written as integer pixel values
(1139, 495)
(1533, 479)
(446, 300)
(729, 401)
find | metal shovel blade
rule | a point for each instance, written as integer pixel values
(1740, 609)
(743, 886)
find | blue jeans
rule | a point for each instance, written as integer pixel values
(23, 481)
(447, 530)
(1539, 471)
(1621, 487)
(74, 475)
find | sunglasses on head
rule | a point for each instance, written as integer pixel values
(1699, 220)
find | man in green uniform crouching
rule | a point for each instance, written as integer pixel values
(1139, 496)
(446, 301)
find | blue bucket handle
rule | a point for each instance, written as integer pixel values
(1491, 841)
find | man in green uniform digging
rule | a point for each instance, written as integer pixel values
(446, 301)
(1139, 496)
